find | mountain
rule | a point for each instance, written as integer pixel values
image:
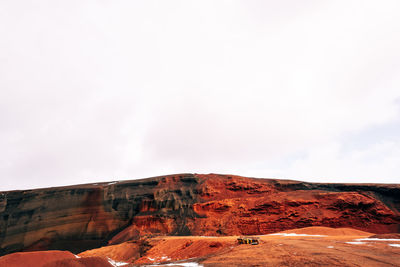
(82, 217)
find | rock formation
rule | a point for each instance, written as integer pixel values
(81, 217)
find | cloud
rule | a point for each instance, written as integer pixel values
(96, 91)
(330, 164)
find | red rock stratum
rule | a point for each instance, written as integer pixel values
(82, 217)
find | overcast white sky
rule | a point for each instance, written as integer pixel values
(108, 90)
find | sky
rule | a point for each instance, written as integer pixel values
(95, 91)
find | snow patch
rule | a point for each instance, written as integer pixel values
(394, 245)
(76, 256)
(330, 246)
(162, 258)
(377, 239)
(356, 243)
(116, 263)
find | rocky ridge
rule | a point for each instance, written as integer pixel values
(82, 217)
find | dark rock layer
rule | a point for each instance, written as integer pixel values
(77, 218)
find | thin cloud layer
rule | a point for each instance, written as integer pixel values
(97, 90)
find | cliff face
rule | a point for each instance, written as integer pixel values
(237, 205)
(81, 217)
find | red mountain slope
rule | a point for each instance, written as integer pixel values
(82, 217)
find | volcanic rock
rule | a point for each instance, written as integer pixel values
(82, 217)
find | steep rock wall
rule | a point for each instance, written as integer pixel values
(82, 217)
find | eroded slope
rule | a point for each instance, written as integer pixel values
(82, 217)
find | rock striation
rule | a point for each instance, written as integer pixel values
(82, 217)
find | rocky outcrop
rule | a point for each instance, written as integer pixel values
(236, 205)
(77, 218)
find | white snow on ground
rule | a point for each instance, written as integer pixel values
(162, 258)
(76, 256)
(364, 240)
(377, 239)
(356, 243)
(294, 234)
(117, 263)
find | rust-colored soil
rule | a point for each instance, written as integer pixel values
(320, 230)
(51, 258)
(171, 249)
(127, 252)
(80, 262)
(311, 246)
(387, 236)
(308, 251)
(34, 259)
